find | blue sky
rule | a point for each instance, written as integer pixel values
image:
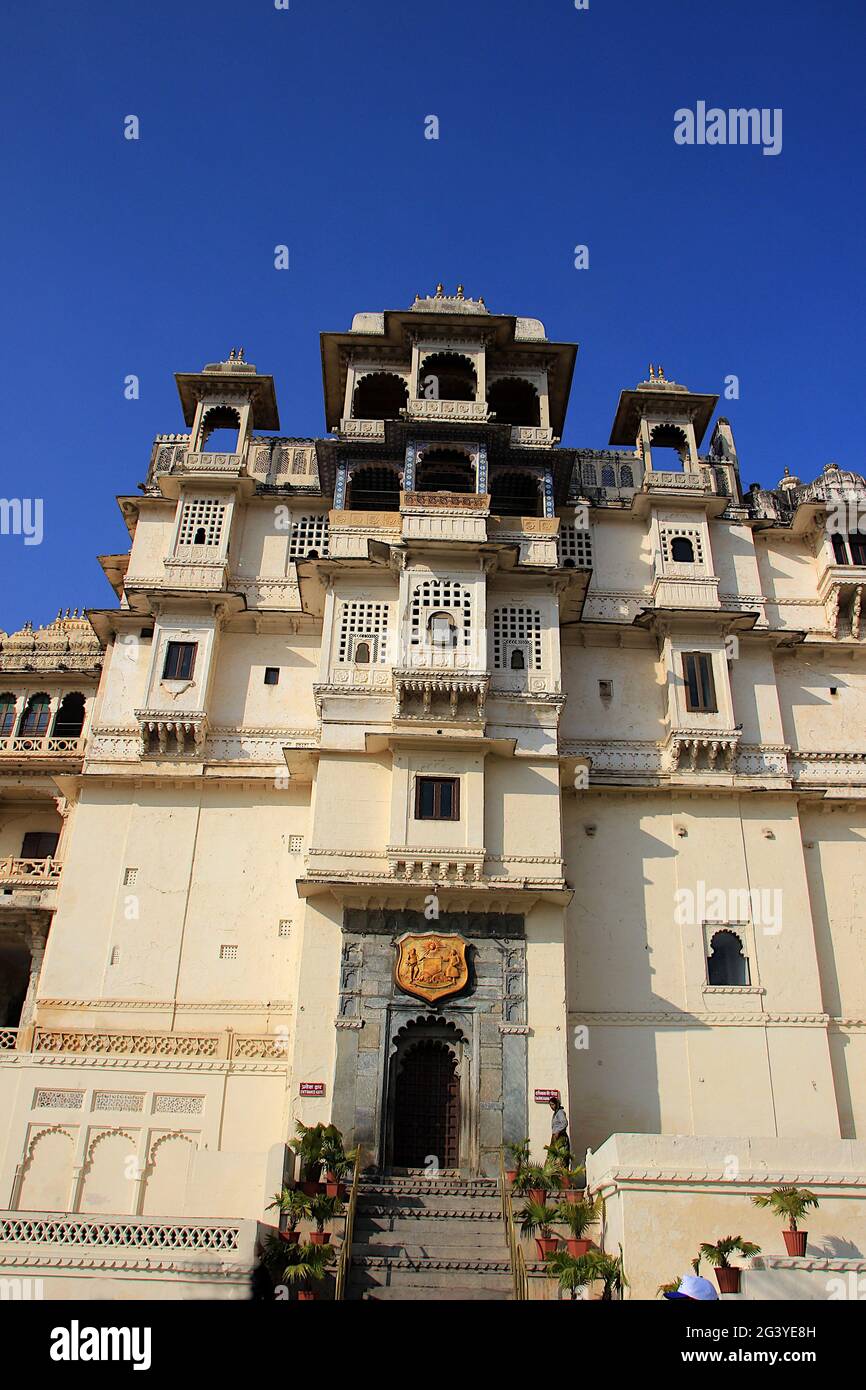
(305, 127)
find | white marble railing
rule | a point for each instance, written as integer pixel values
(120, 1233)
(8, 1039)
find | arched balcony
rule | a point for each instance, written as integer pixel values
(447, 376)
(379, 396)
(514, 401)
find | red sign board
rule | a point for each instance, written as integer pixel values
(542, 1097)
(312, 1088)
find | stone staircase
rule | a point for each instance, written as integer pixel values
(418, 1237)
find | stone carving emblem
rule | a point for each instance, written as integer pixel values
(431, 966)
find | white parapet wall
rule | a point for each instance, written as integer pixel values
(57, 1255)
(666, 1194)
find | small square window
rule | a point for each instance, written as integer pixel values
(437, 798)
(179, 661)
(129, 877)
(605, 690)
(296, 844)
(115, 955)
(285, 927)
(228, 952)
(272, 675)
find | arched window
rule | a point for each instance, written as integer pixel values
(444, 470)
(669, 448)
(626, 477)
(589, 474)
(200, 537)
(726, 964)
(442, 630)
(374, 489)
(379, 396)
(362, 654)
(7, 714)
(69, 719)
(515, 494)
(34, 720)
(518, 660)
(514, 401)
(608, 477)
(447, 376)
(219, 430)
(682, 551)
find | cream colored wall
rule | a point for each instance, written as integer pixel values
(622, 553)
(629, 959)
(123, 688)
(152, 540)
(521, 808)
(637, 708)
(812, 717)
(239, 695)
(17, 820)
(201, 883)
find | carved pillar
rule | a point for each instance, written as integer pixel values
(409, 468)
(37, 954)
(481, 469)
(340, 485)
(548, 492)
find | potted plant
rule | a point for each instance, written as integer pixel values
(536, 1180)
(308, 1145)
(336, 1162)
(293, 1204)
(572, 1179)
(537, 1216)
(609, 1269)
(728, 1275)
(304, 1266)
(579, 1218)
(571, 1272)
(520, 1158)
(322, 1210)
(793, 1203)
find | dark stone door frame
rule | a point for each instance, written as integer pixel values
(490, 1013)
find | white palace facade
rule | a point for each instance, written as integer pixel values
(594, 715)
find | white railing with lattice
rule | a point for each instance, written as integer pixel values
(8, 1039)
(53, 1228)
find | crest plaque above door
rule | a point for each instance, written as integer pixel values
(431, 966)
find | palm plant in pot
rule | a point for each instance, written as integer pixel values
(792, 1203)
(293, 1205)
(536, 1180)
(538, 1216)
(572, 1180)
(579, 1218)
(336, 1163)
(728, 1275)
(572, 1272)
(519, 1158)
(303, 1266)
(322, 1210)
(609, 1270)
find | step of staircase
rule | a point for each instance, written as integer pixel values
(417, 1237)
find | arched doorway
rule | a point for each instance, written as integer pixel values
(426, 1113)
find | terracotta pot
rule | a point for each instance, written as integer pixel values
(320, 1237)
(795, 1242)
(537, 1194)
(306, 1295)
(573, 1195)
(728, 1279)
(334, 1189)
(564, 1181)
(290, 1237)
(511, 1174)
(546, 1245)
(310, 1189)
(577, 1245)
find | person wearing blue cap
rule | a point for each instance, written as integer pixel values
(693, 1287)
